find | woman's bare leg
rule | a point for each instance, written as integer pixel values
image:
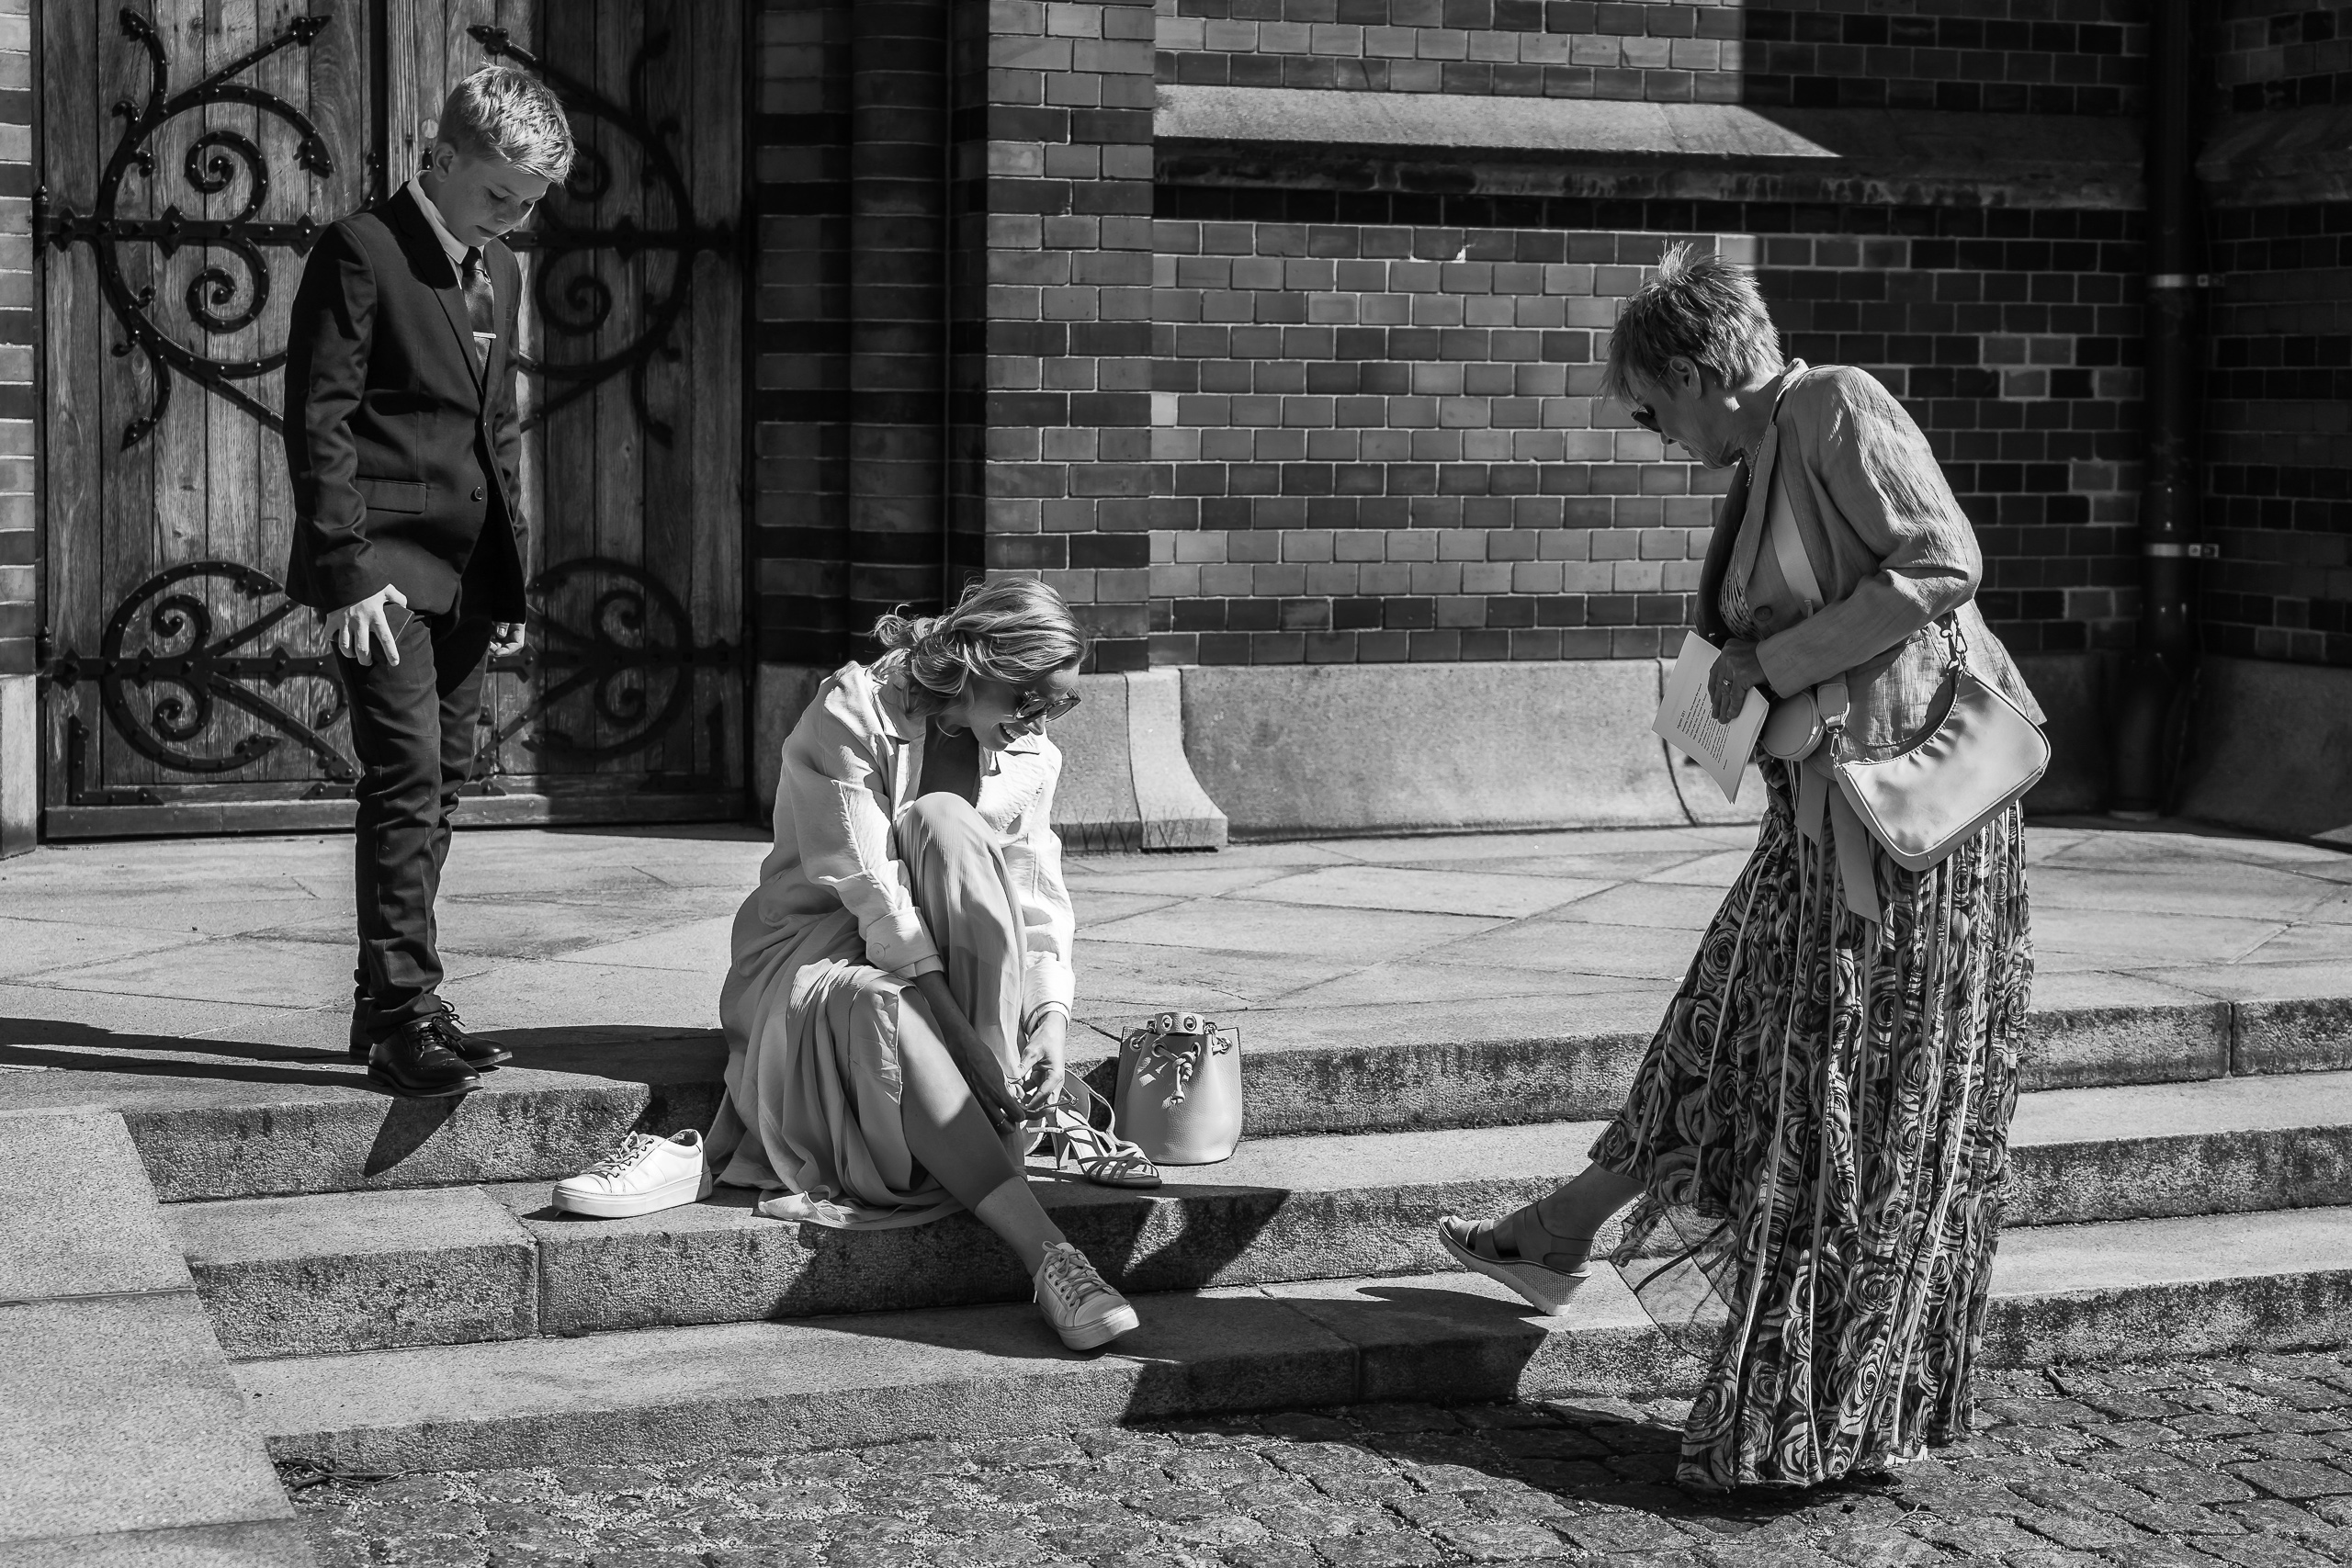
(949, 1132)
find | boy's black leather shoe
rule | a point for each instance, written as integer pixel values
(415, 1061)
(476, 1051)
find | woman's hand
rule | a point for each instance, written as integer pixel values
(982, 1069)
(1737, 672)
(1045, 1061)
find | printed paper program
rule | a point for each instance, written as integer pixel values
(1687, 721)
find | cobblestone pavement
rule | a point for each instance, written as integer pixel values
(2195, 1463)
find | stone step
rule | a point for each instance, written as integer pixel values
(2117, 1292)
(368, 1270)
(235, 1127)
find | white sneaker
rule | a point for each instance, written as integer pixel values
(1083, 1310)
(644, 1175)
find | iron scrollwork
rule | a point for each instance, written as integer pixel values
(577, 302)
(188, 648)
(218, 299)
(613, 670)
(615, 655)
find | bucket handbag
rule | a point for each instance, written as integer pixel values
(1178, 1094)
(1926, 800)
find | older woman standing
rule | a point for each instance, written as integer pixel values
(1815, 1143)
(902, 979)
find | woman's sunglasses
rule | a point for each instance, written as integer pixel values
(1028, 705)
(1645, 416)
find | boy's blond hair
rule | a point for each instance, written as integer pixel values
(500, 112)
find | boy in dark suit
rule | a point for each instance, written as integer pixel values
(401, 435)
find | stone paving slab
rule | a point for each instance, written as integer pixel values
(2179, 1464)
(122, 1416)
(262, 1543)
(81, 1220)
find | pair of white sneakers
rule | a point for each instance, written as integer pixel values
(647, 1174)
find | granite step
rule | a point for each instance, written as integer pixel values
(2114, 1292)
(367, 1270)
(227, 1127)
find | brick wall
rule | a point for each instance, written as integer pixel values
(1068, 474)
(19, 606)
(2280, 54)
(2279, 439)
(1380, 408)
(1386, 441)
(2279, 411)
(2007, 56)
(1674, 53)
(2019, 56)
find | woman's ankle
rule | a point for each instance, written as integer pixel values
(1577, 1210)
(1532, 1239)
(1012, 1210)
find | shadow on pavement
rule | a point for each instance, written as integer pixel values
(1593, 1451)
(623, 1053)
(87, 1048)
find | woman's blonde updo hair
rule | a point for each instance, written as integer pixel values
(1012, 629)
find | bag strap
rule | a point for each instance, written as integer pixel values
(1788, 550)
(1956, 638)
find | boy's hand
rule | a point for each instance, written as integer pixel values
(508, 638)
(357, 631)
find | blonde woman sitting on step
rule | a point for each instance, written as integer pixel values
(902, 981)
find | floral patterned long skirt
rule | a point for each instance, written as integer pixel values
(1821, 1126)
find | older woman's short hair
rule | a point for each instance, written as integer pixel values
(1700, 308)
(500, 112)
(1013, 629)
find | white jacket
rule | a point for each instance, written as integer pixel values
(850, 767)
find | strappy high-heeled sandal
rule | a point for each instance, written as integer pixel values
(1546, 1289)
(1099, 1154)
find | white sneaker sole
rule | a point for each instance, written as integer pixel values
(1102, 1331)
(672, 1194)
(1546, 1290)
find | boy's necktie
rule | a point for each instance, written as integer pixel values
(482, 305)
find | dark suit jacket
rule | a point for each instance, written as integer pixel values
(404, 457)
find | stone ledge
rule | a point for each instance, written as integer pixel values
(1309, 751)
(19, 763)
(1278, 136)
(2297, 719)
(2280, 157)
(1347, 1068)
(1281, 1211)
(1125, 784)
(2134, 1289)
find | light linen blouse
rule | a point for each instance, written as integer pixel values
(850, 766)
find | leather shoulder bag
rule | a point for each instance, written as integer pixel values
(1928, 798)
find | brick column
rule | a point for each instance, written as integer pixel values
(897, 332)
(800, 136)
(19, 537)
(1068, 474)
